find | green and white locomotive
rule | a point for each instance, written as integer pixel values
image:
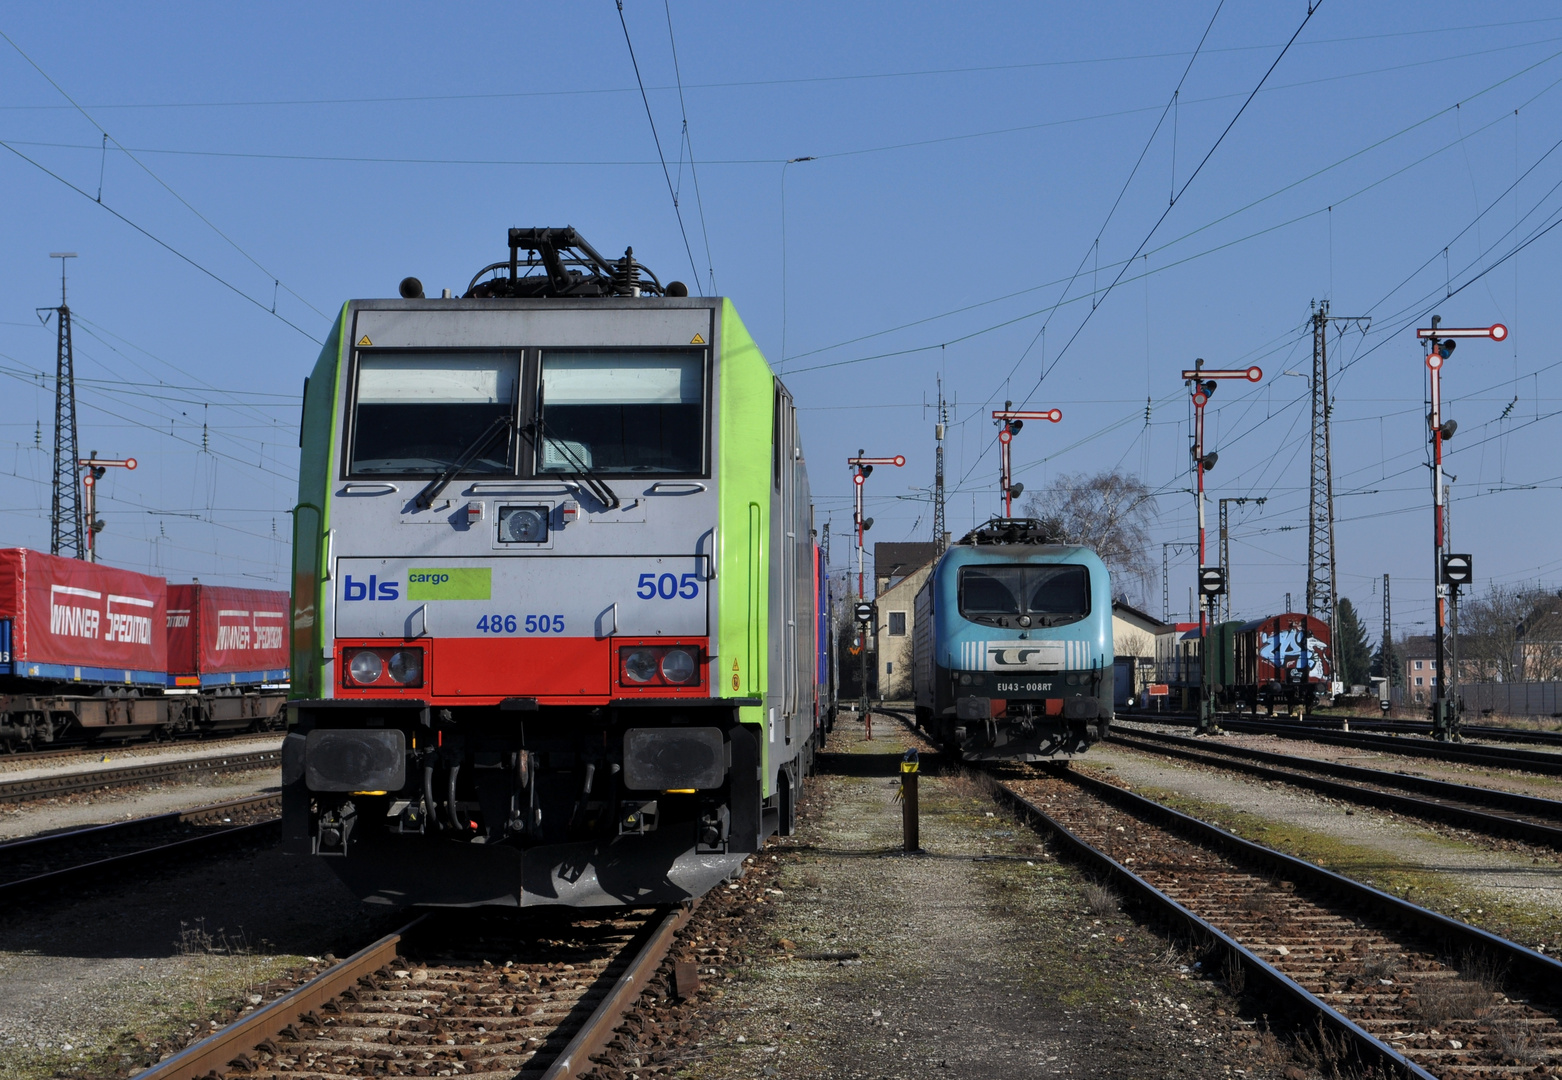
(555, 592)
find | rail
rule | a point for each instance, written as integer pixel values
(1449, 803)
(1360, 910)
(233, 1046)
(1499, 757)
(58, 845)
(39, 787)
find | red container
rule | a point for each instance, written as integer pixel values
(81, 622)
(221, 636)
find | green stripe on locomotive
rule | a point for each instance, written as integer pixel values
(747, 398)
(311, 518)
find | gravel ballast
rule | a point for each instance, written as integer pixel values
(1524, 880)
(982, 957)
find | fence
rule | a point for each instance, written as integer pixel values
(1512, 699)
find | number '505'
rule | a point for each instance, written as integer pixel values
(668, 587)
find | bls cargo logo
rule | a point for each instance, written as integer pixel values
(373, 589)
(76, 613)
(449, 583)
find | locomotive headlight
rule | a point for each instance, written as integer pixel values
(639, 665)
(678, 666)
(523, 524)
(406, 666)
(365, 666)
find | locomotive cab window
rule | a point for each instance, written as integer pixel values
(417, 412)
(1043, 595)
(617, 411)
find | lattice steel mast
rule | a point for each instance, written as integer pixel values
(1320, 504)
(1322, 580)
(67, 536)
(1225, 549)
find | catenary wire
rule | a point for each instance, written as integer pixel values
(657, 139)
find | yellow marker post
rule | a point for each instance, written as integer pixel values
(910, 825)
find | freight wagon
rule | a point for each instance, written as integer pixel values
(1279, 661)
(90, 651)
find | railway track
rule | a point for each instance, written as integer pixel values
(1486, 810)
(1378, 981)
(88, 751)
(1484, 732)
(39, 787)
(82, 855)
(1482, 754)
(450, 993)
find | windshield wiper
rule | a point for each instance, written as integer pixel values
(426, 497)
(587, 476)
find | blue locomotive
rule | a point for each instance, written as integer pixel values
(1013, 646)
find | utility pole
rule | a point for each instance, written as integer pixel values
(1225, 550)
(1012, 420)
(1202, 383)
(1449, 570)
(1388, 637)
(939, 530)
(1322, 591)
(67, 530)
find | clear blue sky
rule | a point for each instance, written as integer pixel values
(967, 158)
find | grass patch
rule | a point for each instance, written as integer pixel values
(1372, 866)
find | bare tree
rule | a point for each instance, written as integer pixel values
(1488, 630)
(1109, 512)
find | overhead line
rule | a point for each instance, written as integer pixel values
(734, 84)
(1096, 244)
(710, 264)
(1312, 8)
(1242, 209)
(160, 242)
(657, 139)
(161, 182)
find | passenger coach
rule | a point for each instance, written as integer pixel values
(555, 593)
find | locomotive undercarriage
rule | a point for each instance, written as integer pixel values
(575, 806)
(117, 714)
(989, 717)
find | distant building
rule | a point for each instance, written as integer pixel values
(1133, 642)
(1537, 648)
(898, 576)
(1419, 655)
(1133, 631)
(891, 562)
